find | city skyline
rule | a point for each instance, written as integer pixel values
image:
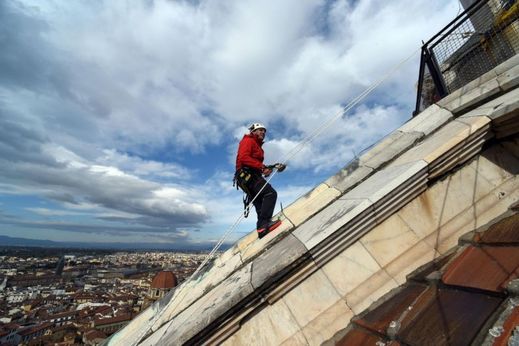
(58, 295)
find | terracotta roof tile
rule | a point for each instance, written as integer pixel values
(93, 334)
(505, 231)
(458, 305)
(427, 315)
(110, 320)
(357, 336)
(487, 267)
(164, 279)
(447, 317)
(379, 319)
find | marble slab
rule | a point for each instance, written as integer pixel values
(444, 200)
(484, 210)
(470, 98)
(389, 148)
(417, 255)
(309, 204)
(271, 264)
(507, 65)
(503, 106)
(496, 165)
(389, 240)
(324, 326)
(153, 339)
(399, 198)
(271, 326)
(509, 79)
(295, 277)
(245, 241)
(208, 308)
(199, 286)
(460, 153)
(428, 121)
(260, 245)
(329, 220)
(349, 176)
(350, 268)
(298, 339)
(490, 75)
(369, 291)
(387, 180)
(311, 297)
(344, 237)
(449, 137)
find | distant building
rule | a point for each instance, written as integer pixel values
(162, 283)
(82, 297)
(33, 332)
(31, 280)
(8, 335)
(17, 297)
(63, 318)
(112, 324)
(93, 337)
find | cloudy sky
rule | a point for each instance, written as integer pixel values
(119, 119)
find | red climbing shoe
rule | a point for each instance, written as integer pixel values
(272, 225)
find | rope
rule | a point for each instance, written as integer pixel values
(343, 111)
(288, 156)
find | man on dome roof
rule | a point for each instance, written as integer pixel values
(250, 173)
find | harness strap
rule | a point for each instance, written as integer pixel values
(246, 206)
(241, 180)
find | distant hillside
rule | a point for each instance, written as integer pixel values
(12, 241)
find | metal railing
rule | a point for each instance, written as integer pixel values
(476, 41)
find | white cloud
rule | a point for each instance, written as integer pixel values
(101, 91)
(244, 60)
(144, 168)
(52, 212)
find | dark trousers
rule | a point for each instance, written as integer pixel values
(265, 202)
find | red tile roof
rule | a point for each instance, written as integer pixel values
(459, 299)
(164, 279)
(116, 319)
(35, 329)
(484, 267)
(93, 334)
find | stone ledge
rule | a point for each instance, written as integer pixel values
(210, 307)
(502, 78)
(270, 265)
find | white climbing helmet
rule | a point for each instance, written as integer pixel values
(255, 126)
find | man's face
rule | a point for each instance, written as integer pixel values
(260, 133)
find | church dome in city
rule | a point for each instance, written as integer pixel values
(164, 280)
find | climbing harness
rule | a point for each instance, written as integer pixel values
(242, 179)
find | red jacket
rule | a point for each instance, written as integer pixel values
(250, 154)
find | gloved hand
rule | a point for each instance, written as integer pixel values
(280, 167)
(267, 170)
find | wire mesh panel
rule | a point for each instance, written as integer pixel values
(478, 40)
